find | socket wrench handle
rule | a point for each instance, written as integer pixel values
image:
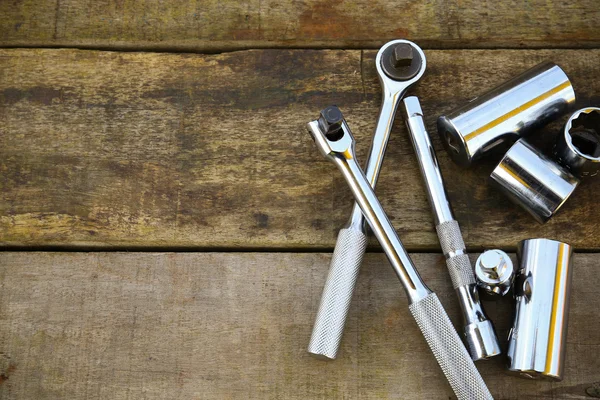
(425, 307)
(341, 152)
(393, 89)
(479, 332)
(351, 243)
(337, 293)
(450, 353)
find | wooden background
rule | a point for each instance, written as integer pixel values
(157, 127)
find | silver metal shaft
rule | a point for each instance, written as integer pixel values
(430, 170)
(479, 332)
(425, 307)
(372, 210)
(352, 239)
(383, 230)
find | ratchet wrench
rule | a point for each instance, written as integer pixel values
(400, 64)
(478, 330)
(335, 141)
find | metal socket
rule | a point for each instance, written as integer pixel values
(494, 272)
(578, 146)
(533, 181)
(538, 338)
(506, 113)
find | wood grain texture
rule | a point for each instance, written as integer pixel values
(218, 325)
(202, 25)
(127, 150)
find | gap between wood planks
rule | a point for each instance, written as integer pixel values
(191, 50)
(180, 249)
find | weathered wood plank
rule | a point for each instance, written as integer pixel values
(218, 325)
(202, 25)
(195, 151)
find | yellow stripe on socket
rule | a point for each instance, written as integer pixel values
(517, 110)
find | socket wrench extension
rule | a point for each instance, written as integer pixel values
(506, 113)
(400, 64)
(335, 142)
(578, 145)
(478, 331)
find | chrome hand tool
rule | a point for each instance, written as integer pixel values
(400, 64)
(578, 146)
(537, 341)
(335, 141)
(534, 181)
(506, 113)
(495, 273)
(478, 330)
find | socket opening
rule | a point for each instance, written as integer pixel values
(585, 133)
(452, 142)
(587, 144)
(335, 135)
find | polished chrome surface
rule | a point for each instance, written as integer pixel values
(428, 164)
(448, 350)
(479, 332)
(533, 181)
(343, 155)
(350, 246)
(428, 312)
(538, 338)
(337, 294)
(494, 271)
(392, 92)
(506, 113)
(578, 145)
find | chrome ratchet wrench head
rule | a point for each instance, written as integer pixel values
(478, 330)
(335, 142)
(400, 64)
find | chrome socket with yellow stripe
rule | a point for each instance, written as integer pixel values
(506, 113)
(538, 338)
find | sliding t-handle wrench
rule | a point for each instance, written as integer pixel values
(334, 140)
(478, 331)
(400, 64)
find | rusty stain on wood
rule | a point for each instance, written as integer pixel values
(216, 25)
(128, 150)
(6, 374)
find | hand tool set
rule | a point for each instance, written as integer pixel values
(335, 141)
(400, 64)
(540, 184)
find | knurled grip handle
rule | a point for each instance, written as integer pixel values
(337, 293)
(448, 349)
(457, 260)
